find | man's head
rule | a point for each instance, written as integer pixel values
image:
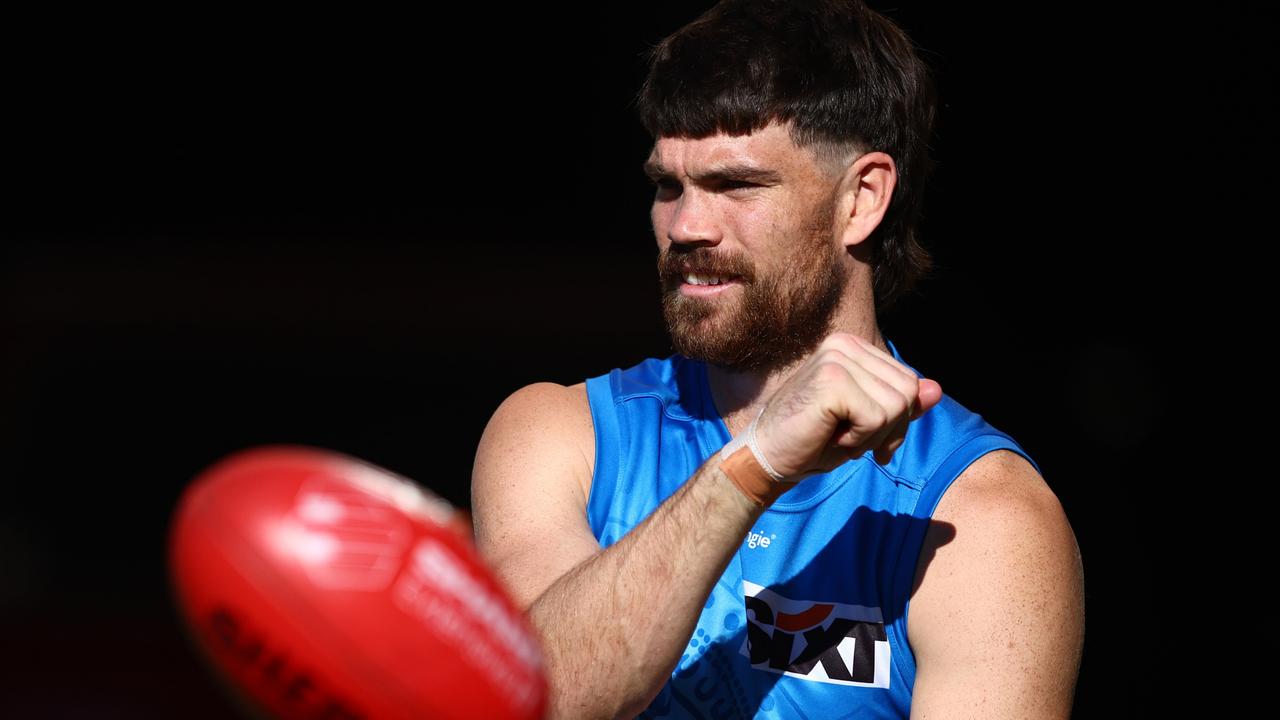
(751, 269)
(844, 86)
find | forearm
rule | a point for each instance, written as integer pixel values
(609, 646)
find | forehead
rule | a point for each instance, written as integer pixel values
(770, 147)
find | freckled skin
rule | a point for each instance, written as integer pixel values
(1005, 571)
(996, 615)
(1001, 570)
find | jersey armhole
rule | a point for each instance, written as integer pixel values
(606, 422)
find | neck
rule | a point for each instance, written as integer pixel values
(739, 396)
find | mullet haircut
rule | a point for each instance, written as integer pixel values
(846, 78)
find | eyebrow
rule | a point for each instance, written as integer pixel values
(719, 173)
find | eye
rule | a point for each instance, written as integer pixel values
(665, 187)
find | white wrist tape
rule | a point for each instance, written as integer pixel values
(748, 439)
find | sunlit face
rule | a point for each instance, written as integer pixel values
(750, 266)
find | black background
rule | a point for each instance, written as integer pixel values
(363, 231)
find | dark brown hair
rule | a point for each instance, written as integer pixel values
(847, 79)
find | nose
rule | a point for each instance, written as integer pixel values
(691, 221)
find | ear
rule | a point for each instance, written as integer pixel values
(863, 196)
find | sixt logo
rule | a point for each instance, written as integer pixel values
(823, 642)
(758, 538)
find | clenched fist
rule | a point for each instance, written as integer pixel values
(848, 398)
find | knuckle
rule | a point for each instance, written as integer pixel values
(899, 401)
(904, 406)
(832, 355)
(832, 372)
(841, 341)
(908, 375)
(910, 391)
(886, 384)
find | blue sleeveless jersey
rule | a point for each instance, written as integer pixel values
(809, 619)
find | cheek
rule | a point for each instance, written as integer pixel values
(776, 223)
(659, 218)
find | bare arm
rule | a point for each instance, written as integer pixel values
(630, 649)
(608, 652)
(997, 620)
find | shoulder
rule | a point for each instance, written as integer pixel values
(529, 488)
(1002, 485)
(542, 419)
(1002, 506)
(544, 405)
(999, 592)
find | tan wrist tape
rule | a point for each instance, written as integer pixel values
(751, 478)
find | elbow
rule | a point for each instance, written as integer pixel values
(631, 710)
(593, 707)
(581, 683)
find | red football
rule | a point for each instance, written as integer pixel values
(325, 587)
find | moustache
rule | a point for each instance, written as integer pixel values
(673, 264)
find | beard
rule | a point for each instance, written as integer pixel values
(781, 316)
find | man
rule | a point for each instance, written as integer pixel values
(736, 530)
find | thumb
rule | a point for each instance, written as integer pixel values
(930, 394)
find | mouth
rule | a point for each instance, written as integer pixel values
(707, 279)
(706, 284)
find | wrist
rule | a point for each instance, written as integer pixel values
(743, 462)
